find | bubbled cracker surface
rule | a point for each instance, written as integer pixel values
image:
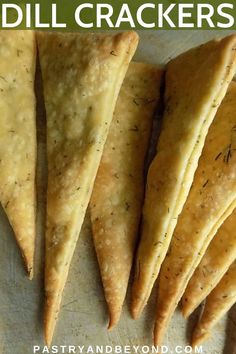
(217, 259)
(213, 191)
(80, 89)
(118, 192)
(18, 132)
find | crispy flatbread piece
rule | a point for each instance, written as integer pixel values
(211, 200)
(196, 83)
(82, 75)
(220, 300)
(117, 196)
(18, 137)
(220, 254)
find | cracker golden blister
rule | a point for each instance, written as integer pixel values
(82, 75)
(211, 200)
(18, 137)
(117, 196)
(196, 83)
(219, 256)
(218, 303)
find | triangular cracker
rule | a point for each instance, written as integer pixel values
(82, 75)
(211, 200)
(219, 256)
(196, 83)
(220, 300)
(117, 196)
(18, 137)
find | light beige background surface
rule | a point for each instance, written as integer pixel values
(83, 316)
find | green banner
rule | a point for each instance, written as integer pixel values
(72, 15)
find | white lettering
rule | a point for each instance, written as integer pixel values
(108, 349)
(72, 349)
(224, 14)
(198, 349)
(207, 16)
(107, 16)
(38, 23)
(178, 349)
(145, 349)
(140, 14)
(78, 12)
(63, 348)
(164, 349)
(99, 348)
(28, 16)
(118, 349)
(127, 349)
(188, 349)
(55, 349)
(183, 15)
(56, 24)
(125, 16)
(165, 15)
(45, 350)
(6, 7)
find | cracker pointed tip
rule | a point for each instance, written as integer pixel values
(137, 307)
(50, 319)
(47, 338)
(156, 341)
(135, 36)
(186, 312)
(48, 332)
(198, 337)
(132, 39)
(28, 262)
(132, 35)
(157, 338)
(114, 318)
(232, 37)
(112, 323)
(30, 272)
(135, 312)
